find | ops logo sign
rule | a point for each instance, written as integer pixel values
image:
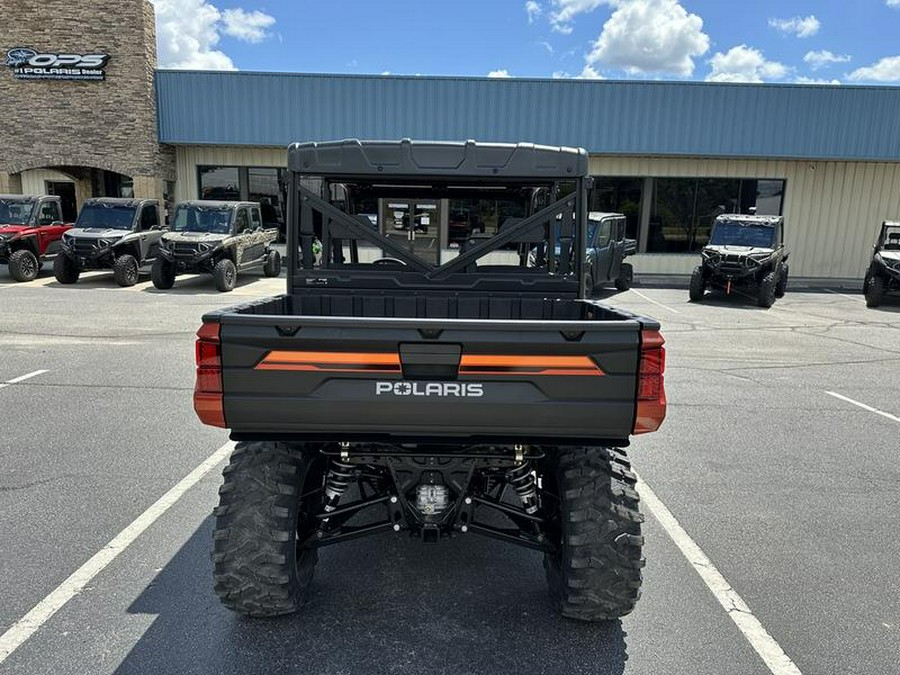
(28, 64)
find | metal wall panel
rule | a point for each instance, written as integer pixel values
(832, 210)
(626, 118)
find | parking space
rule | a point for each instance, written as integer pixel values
(778, 460)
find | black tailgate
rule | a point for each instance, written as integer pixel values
(353, 378)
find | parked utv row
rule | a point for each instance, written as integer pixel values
(128, 237)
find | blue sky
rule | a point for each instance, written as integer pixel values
(809, 41)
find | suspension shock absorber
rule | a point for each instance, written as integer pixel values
(521, 477)
(337, 480)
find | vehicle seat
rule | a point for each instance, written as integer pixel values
(893, 242)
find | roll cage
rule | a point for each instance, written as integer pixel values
(550, 183)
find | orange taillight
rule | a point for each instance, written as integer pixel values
(208, 403)
(651, 394)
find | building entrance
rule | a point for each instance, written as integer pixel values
(414, 224)
(65, 189)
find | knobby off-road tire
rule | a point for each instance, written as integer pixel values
(766, 294)
(623, 281)
(65, 271)
(272, 266)
(781, 286)
(24, 265)
(257, 567)
(225, 275)
(874, 291)
(162, 274)
(125, 270)
(698, 285)
(595, 575)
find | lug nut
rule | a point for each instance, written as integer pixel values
(468, 500)
(393, 499)
(396, 527)
(464, 528)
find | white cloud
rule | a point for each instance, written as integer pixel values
(886, 70)
(893, 3)
(650, 36)
(587, 74)
(744, 64)
(546, 45)
(800, 26)
(812, 80)
(499, 73)
(188, 32)
(565, 10)
(246, 26)
(533, 10)
(824, 58)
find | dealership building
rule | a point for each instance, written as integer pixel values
(84, 111)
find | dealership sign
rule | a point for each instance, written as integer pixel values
(28, 64)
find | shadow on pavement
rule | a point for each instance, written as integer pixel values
(378, 605)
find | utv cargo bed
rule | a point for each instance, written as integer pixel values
(391, 367)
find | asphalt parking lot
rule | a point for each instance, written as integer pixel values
(778, 459)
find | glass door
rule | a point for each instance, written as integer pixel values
(415, 225)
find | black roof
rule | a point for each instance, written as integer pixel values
(215, 203)
(119, 201)
(421, 159)
(770, 221)
(21, 198)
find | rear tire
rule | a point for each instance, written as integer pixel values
(65, 271)
(698, 285)
(24, 265)
(225, 275)
(272, 266)
(781, 286)
(626, 276)
(125, 270)
(766, 295)
(258, 568)
(162, 274)
(595, 574)
(874, 291)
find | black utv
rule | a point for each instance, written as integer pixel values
(218, 238)
(883, 275)
(744, 251)
(111, 233)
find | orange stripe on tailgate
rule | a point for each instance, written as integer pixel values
(340, 362)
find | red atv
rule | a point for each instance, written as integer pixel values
(31, 230)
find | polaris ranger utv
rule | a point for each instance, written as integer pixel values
(744, 251)
(218, 238)
(31, 228)
(110, 233)
(883, 275)
(391, 390)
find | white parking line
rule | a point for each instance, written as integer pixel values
(655, 302)
(864, 406)
(849, 297)
(22, 378)
(29, 624)
(765, 645)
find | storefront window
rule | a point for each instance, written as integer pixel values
(219, 183)
(684, 209)
(468, 217)
(619, 195)
(266, 186)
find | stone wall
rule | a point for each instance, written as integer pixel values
(108, 125)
